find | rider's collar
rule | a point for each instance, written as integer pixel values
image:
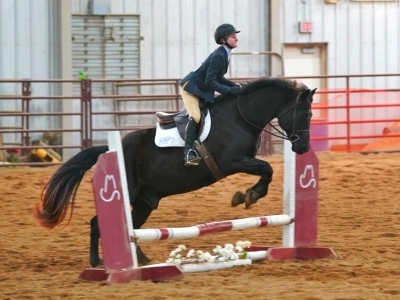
(228, 50)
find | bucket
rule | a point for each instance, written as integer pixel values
(394, 128)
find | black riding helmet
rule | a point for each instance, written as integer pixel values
(223, 30)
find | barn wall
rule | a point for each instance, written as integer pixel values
(29, 48)
(362, 37)
(177, 37)
(178, 34)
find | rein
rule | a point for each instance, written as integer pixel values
(293, 137)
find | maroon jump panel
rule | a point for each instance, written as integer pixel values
(108, 195)
(306, 207)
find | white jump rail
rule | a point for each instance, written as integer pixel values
(210, 228)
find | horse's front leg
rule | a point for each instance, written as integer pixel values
(252, 166)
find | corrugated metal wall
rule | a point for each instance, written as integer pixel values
(106, 46)
(29, 43)
(178, 34)
(25, 39)
(362, 37)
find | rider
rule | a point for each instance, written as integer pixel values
(204, 82)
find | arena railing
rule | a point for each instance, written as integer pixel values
(349, 116)
(17, 124)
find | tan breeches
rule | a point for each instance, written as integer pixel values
(191, 103)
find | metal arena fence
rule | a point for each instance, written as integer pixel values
(81, 112)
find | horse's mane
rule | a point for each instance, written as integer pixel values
(279, 83)
(273, 82)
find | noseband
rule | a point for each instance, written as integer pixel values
(293, 137)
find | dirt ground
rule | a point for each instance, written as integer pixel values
(359, 217)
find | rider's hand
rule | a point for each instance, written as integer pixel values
(234, 91)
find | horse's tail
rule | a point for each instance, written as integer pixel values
(59, 192)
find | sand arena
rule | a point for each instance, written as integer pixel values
(359, 217)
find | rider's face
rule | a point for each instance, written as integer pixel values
(232, 40)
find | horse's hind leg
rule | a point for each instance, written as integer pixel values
(139, 217)
(94, 257)
(260, 189)
(140, 213)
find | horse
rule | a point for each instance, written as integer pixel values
(155, 172)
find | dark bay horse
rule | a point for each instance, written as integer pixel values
(154, 173)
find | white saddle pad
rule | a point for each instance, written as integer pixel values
(170, 137)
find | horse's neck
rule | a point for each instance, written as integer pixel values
(264, 105)
(257, 108)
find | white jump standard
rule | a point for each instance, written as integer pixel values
(118, 238)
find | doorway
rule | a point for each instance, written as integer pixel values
(308, 59)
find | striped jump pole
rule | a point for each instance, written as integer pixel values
(209, 228)
(118, 238)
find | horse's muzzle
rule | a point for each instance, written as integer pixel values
(300, 141)
(300, 148)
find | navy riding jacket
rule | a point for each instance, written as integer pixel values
(210, 77)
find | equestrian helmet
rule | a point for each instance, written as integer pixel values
(223, 30)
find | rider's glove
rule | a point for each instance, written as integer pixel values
(234, 91)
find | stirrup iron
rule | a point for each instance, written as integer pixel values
(194, 161)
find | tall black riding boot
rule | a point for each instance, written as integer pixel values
(191, 158)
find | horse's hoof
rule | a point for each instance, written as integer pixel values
(248, 203)
(250, 199)
(96, 263)
(144, 261)
(237, 199)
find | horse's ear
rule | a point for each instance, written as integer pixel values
(313, 92)
(305, 94)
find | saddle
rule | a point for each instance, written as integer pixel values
(180, 119)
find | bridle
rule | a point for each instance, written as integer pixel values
(282, 135)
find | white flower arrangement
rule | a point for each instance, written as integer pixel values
(228, 253)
